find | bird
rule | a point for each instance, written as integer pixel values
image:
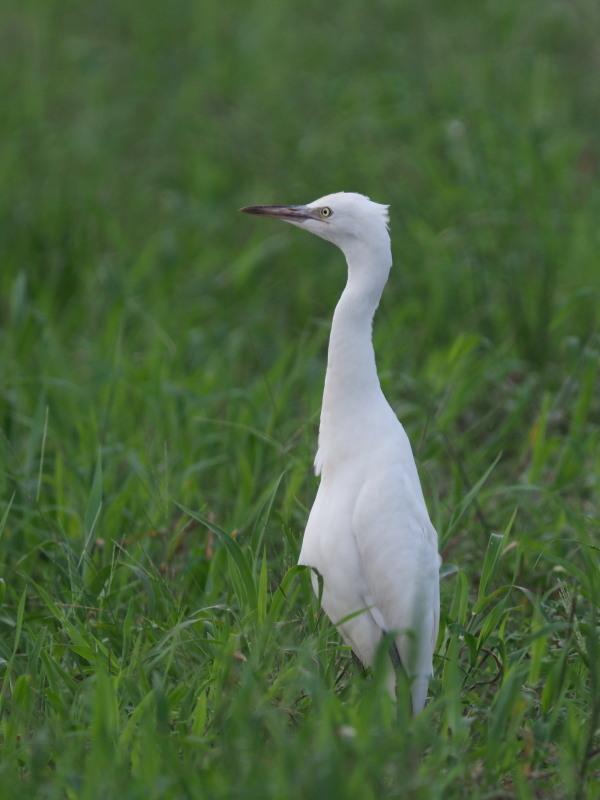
(368, 534)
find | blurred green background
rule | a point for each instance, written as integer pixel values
(157, 347)
(130, 136)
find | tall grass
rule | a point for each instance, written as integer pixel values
(162, 361)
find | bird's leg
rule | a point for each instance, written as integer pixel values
(401, 675)
(359, 664)
(396, 660)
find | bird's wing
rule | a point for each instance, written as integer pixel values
(398, 551)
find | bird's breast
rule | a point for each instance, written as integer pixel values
(358, 439)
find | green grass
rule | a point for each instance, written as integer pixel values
(162, 360)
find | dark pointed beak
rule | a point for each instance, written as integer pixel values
(288, 213)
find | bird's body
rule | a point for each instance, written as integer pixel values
(369, 534)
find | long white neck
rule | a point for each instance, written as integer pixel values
(351, 383)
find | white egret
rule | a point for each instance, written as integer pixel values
(368, 534)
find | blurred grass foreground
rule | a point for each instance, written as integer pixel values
(162, 360)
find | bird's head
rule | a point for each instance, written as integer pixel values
(351, 221)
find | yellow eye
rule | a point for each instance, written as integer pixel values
(326, 212)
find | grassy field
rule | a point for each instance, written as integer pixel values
(162, 360)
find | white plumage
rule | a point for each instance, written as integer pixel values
(369, 534)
